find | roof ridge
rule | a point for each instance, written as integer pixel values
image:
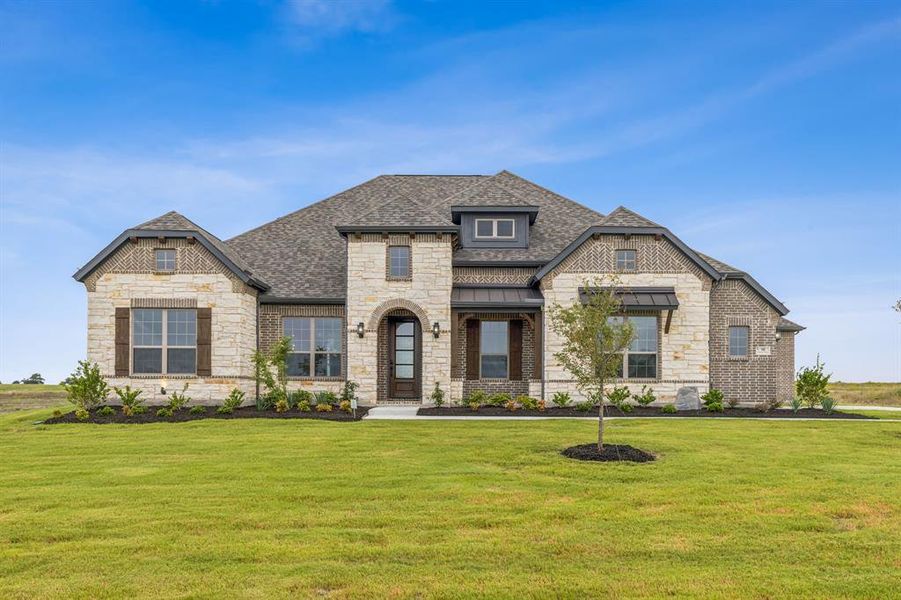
(624, 209)
(549, 191)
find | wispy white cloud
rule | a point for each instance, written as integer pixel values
(313, 19)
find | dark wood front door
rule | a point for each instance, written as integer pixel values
(404, 339)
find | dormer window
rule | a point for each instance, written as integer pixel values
(495, 229)
(165, 260)
(625, 260)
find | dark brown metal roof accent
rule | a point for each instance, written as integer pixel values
(641, 298)
(496, 298)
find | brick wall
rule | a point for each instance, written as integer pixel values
(494, 386)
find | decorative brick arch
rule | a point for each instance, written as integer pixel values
(388, 305)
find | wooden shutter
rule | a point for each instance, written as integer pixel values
(204, 342)
(122, 334)
(472, 349)
(515, 331)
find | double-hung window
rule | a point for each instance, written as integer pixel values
(315, 346)
(501, 229)
(164, 341)
(738, 341)
(640, 358)
(494, 349)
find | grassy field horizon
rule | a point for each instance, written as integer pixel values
(409, 509)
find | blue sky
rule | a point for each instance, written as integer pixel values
(767, 135)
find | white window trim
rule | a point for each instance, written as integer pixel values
(624, 268)
(505, 354)
(164, 347)
(312, 349)
(156, 260)
(656, 353)
(494, 235)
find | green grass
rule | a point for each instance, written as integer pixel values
(19, 397)
(873, 394)
(261, 509)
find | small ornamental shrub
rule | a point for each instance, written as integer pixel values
(795, 403)
(619, 397)
(828, 403)
(197, 409)
(477, 397)
(437, 396)
(82, 414)
(473, 404)
(297, 397)
(86, 387)
(669, 409)
(714, 406)
(500, 399)
(561, 399)
(282, 405)
(233, 401)
(527, 402)
(349, 391)
(323, 407)
(511, 405)
(304, 406)
(106, 411)
(732, 401)
(325, 397)
(139, 410)
(541, 405)
(267, 401)
(771, 404)
(345, 406)
(713, 396)
(165, 412)
(57, 413)
(130, 400)
(812, 384)
(178, 400)
(646, 397)
(584, 406)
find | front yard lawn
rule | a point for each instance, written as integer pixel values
(261, 508)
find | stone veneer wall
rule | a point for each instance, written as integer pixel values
(757, 377)
(233, 338)
(494, 386)
(271, 330)
(370, 295)
(683, 353)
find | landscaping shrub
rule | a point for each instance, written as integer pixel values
(178, 400)
(282, 405)
(165, 411)
(81, 413)
(477, 397)
(106, 411)
(304, 406)
(713, 396)
(714, 406)
(500, 399)
(619, 397)
(233, 401)
(732, 401)
(349, 391)
(812, 383)
(345, 406)
(86, 388)
(795, 403)
(511, 405)
(541, 405)
(323, 407)
(771, 404)
(197, 409)
(298, 397)
(584, 406)
(437, 396)
(669, 409)
(325, 397)
(267, 401)
(646, 397)
(130, 399)
(561, 399)
(828, 403)
(57, 413)
(527, 402)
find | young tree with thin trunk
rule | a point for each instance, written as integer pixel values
(594, 337)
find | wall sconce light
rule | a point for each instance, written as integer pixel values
(360, 328)
(436, 329)
(778, 336)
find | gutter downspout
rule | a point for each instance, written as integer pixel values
(255, 378)
(541, 350)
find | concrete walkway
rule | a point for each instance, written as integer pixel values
(408, 413)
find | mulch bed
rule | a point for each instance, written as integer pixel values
(245, 412)
(611, 453)
(637, 411)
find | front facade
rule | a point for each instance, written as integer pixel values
(407, 282)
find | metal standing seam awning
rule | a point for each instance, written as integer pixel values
(497, 299)
(643, 298)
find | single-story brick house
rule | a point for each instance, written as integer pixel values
(408, 280)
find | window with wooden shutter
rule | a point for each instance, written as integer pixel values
(204, 342)
(122, 336)
(472, 349)
(516, 349)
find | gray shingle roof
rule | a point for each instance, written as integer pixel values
(623, 217)
(786, 325)
(401, 211)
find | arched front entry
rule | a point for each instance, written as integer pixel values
(399, 357)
